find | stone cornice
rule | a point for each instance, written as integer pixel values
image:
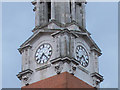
(98, 76)
(28, 71)
(96, 50)
(65, 59)
(60, 25)
(56, 32)
(24, 47)
(35, 34)
(64, 31)
(34, 2)
(83, 69)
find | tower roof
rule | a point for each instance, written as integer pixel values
(63, 80)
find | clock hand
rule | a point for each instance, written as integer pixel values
(45, 56)
(41, 56)
(81, 57)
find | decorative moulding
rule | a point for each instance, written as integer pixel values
(59, 67)
(73, 69)
(43, 67)
(97, 76)
(65, 31)
(25, 74)
(83, 69)
(24, 47)
(64, 59)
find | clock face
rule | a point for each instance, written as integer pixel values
(43, 53)
(82, 56)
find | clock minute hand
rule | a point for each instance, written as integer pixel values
(81, 57)
(45, 56)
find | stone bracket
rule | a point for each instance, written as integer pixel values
(98, 77)
(59, 67)
(73, 69)
(25, 75)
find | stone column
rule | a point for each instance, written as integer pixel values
(43, 10)
(52, 10)
(79, 13)
(37, 14)
(67, 12)
(73, 10)
(23, 60)
(84, 16)
(41, 13)
(72, 46)
(29, 55)
(62, 12)
(63, 46)
(96, 63)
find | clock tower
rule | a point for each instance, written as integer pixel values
(61, 52)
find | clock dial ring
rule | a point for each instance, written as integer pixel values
(43, 53)
(82, 55)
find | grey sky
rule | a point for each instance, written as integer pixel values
(18, 21)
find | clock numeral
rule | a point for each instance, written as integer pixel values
(50, 50)
(38, 61)
(45, 45)
(77, 52)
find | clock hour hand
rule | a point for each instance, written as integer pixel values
(41, 56)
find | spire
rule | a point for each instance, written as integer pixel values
(62, 12)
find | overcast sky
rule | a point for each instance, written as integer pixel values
(18, 22)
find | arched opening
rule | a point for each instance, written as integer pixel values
(49, 11)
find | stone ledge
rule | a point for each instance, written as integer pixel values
(98, 76)
(25, 72)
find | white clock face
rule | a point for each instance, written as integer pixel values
(43, 53)
(82, 56)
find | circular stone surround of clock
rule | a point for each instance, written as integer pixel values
(82, 55)
(43, 53)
